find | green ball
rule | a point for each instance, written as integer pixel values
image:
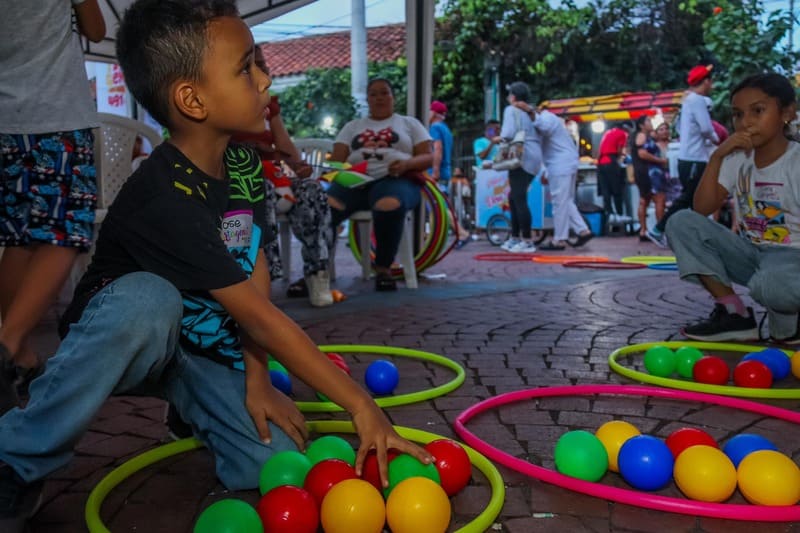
(581, 455)
(284, 468)
(405, 466)
(276, 365)
(229, 516)
(331, 447)
(660, 361)
(686, 357)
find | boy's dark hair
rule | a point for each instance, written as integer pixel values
(161, 41)
(492, 122)
(373, 81)
(772, 84)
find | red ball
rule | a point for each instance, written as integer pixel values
(453, 464)
(339, 361)
(324, 475)
(370, 472)
(753, 374)
(711, 370)
(335, 357)
(683, 438)
(288, 509)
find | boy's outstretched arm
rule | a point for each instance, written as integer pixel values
(272, 330)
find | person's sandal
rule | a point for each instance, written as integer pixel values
(385, 282)
(298, 289)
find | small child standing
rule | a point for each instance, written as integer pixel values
(758, 166)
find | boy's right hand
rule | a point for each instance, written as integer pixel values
(265, 404)
(377, 433)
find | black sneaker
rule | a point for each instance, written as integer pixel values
(18, 500)
(8, 387)
(724, 326)
(177, 427)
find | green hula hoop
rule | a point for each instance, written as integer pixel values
(400, 399)
(649, 259)
(724, 390)
(481, 523)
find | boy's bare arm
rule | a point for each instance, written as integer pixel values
(90, 20)
(269, 328)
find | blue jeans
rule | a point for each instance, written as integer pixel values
(388, 225)
(705, 248)
(127, 343)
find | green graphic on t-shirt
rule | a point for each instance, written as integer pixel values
(244, 169)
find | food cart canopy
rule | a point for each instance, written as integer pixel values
(620, 106)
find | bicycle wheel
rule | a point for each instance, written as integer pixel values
(498, 229)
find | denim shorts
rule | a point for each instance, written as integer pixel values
(364, 197)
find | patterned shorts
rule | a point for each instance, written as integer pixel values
(48, 191)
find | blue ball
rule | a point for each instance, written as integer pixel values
(280, 380)
(744, 444)
(381, 377)
(646, 462)
(778, 362)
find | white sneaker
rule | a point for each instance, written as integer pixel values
(523, 247)
(319, 289)
(509, 244)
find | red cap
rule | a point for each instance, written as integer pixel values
(698, 74)
(438, 107)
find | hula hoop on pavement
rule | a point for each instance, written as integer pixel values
(724, 390)
(604, 265)
(640, 499)
(648, 259)
(561, 259)
(506, 257)
(662, 266)
(481, 523)
(399, 399)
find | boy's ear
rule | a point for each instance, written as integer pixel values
(187, 101)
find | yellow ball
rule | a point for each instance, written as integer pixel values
(613, 435)
(796, 364)
(704, 473)
(767, 477)
(418, 504)
(353, 506)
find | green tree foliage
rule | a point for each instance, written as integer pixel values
(326, 93)
(745, 39)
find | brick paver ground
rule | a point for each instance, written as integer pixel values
(512, 326)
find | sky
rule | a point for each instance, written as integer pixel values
(325, 16)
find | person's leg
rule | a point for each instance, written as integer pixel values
(710, 254)
(559, 193)
(617, 187)
(519, 181)
(776, 286)
(390, 199)
(271, 247)
(310, 219)
(576, 221)
(660, 201)
(604, 174)
(211, 398)
(125, 339)
(690, 173)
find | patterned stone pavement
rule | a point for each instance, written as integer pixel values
(512, 325)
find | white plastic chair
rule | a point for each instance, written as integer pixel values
(113, 149)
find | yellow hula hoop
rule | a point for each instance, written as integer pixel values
(480, 524)
(648, 259)
(400, 399)
(724, 390)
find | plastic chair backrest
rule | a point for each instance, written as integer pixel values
(315, 152)
(113, 153)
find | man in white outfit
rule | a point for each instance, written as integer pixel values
(560, 158)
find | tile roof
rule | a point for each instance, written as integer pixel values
(332, 50)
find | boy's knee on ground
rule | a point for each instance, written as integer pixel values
(768, 290)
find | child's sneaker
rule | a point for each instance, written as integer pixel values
(658, 238)
(523, 247)
(319, 289)
(724, 326)
(509, 244)
(18, 500)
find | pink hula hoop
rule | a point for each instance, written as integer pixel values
(758, 513)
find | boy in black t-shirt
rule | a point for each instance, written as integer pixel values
(175, 302)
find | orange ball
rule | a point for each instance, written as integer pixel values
(338, 296)
(796, 364)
